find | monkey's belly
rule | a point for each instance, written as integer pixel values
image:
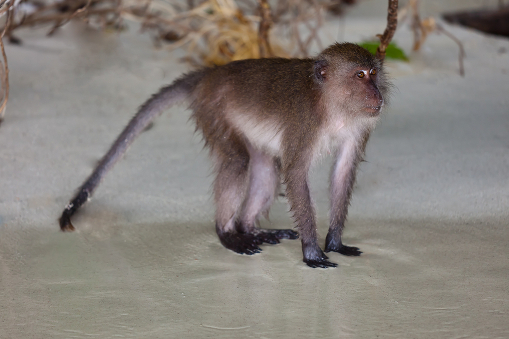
(265, 135)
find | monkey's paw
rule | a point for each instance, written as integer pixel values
(271, 236)
(333, 244)
(241, 243)
(324, 263)
(350, 251)
(315, 258)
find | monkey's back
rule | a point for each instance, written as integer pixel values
(258, 97)
(274, 85)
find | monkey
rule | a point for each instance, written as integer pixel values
(265, 122)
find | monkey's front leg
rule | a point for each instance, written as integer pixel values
(297, 191)
(342, 181)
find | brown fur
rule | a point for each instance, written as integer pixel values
(267, 121)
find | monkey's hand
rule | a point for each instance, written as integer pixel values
(332, 245)
(314, 257)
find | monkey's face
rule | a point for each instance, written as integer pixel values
(352, 79)
(366, 92)
(354, 90)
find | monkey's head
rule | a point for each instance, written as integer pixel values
(352, 79)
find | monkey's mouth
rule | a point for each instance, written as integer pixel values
(373, 110)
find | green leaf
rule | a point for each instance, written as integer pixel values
(393, 51)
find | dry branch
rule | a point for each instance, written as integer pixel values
(5, 68)
(423, 27)
(263, 31)
(461, 54)
(392, 23)
(214, 31)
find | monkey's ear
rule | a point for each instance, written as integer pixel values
(320, 69)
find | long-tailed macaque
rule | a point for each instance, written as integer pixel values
(265, 122)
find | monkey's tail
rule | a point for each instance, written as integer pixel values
(165, 98)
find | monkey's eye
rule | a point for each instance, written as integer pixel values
(360, 74)
(372, 71)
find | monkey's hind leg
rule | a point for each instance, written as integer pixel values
(264, 179)
(229, 191)
(238, 203)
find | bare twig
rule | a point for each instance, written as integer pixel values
(298, 38)
(214, 31)
(423, 27)
(263, 30)
(420, 28)
(461, 54)
(392, 23)
(69, 18)
(295, 14)
(62, 12)
(3, 9)
(313, 30)
(5, 78)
